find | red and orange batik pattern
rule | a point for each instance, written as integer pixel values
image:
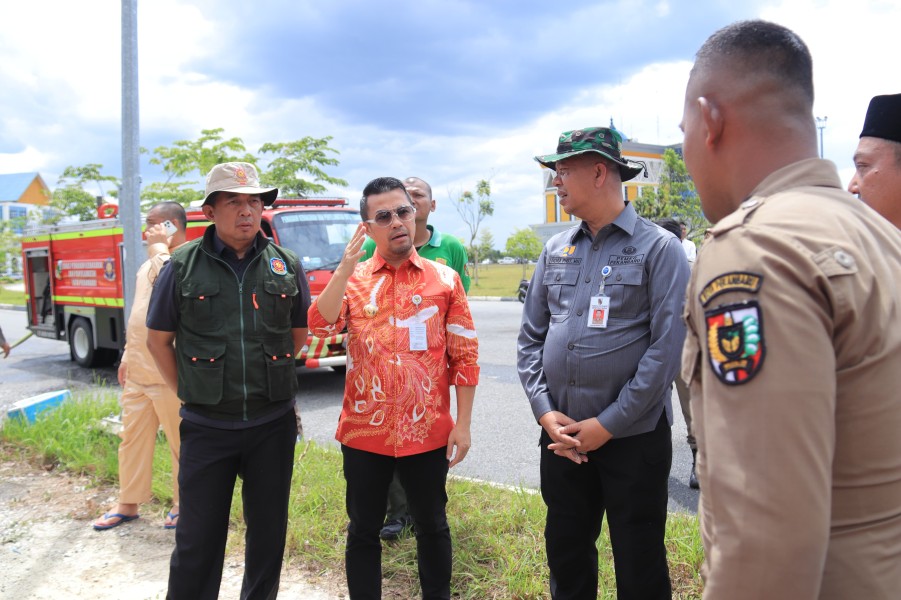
(397, 400)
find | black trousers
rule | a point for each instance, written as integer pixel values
(211, 459)
(626, 478)
(423, 477)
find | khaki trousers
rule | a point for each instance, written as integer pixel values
(144, 409)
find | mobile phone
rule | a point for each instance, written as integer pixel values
(170, 228)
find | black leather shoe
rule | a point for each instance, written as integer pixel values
(396, 529)
(693, 480)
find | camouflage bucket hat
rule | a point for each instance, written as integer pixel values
(604, 141)
(240, 178)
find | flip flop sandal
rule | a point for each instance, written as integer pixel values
(173, 518)
(122, 519)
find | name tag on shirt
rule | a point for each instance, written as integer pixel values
(598, 311)
(418, 339)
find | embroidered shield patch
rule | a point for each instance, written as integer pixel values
(735, 345)
(278, 266)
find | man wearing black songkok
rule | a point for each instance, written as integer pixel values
(877, 179)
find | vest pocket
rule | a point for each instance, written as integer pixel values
(204, 371)
(280, 370)
(203, 302)
(276, 302)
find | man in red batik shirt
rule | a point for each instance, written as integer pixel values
(411, 337)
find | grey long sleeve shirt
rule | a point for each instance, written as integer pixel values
(621, 374)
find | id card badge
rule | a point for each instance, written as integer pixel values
(598, 311)
(418, 340)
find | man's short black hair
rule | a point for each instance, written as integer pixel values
(761, 47)
(380, 185)
(174, 212)
(425, 184)
(671, 225)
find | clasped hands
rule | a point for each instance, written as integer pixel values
(574, 439)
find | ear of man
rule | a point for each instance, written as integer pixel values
(712, 118)
(208, 212)
(601, 173)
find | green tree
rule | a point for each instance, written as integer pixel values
(182, 192)
(184, 157)
(473, 208)
(305, 155)
(70, 197)
(675, 197)
(484, 248)
(525, 245)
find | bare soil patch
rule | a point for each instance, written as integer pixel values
(49, 550)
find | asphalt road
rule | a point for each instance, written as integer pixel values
(504, 433)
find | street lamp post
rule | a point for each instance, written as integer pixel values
(821, 125)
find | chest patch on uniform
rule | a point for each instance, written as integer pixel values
(441, 261)
(735, 345)
(617, 259)
(737, 281)
(278, 266)
(563, 260)
(568, 251)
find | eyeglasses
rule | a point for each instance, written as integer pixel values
(384, 218)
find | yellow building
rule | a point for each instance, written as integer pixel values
(23, 196)
(651, 155)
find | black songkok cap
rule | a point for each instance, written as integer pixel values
(883, 118)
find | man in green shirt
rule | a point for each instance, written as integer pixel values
(444, 249)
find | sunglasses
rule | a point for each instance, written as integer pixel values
(383, 218)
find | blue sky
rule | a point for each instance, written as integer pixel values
(452, 92)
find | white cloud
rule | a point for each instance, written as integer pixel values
(61, 92)
(28, 160)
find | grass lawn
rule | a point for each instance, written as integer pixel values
(498, 280)
(497, 531)
(11, 296)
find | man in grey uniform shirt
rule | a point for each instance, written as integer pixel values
(599, 347)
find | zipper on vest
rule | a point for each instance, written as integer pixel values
(240, 282)
(256, 307)
(243, 352)
(241, 312)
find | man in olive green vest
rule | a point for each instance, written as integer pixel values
(235, 306)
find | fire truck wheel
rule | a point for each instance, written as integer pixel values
(81, 346)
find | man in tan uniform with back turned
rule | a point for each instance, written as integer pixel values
(793, 348)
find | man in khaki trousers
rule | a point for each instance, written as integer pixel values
(147, 402)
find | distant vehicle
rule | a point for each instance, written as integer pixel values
(507, 260)
(487, 261)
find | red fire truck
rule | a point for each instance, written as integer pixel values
(73, 275)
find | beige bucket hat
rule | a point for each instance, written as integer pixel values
(238, 177)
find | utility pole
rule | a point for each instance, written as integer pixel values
(821, 125)
(130, 195)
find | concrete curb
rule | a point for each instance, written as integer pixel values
(12, 307)
(493, 298)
